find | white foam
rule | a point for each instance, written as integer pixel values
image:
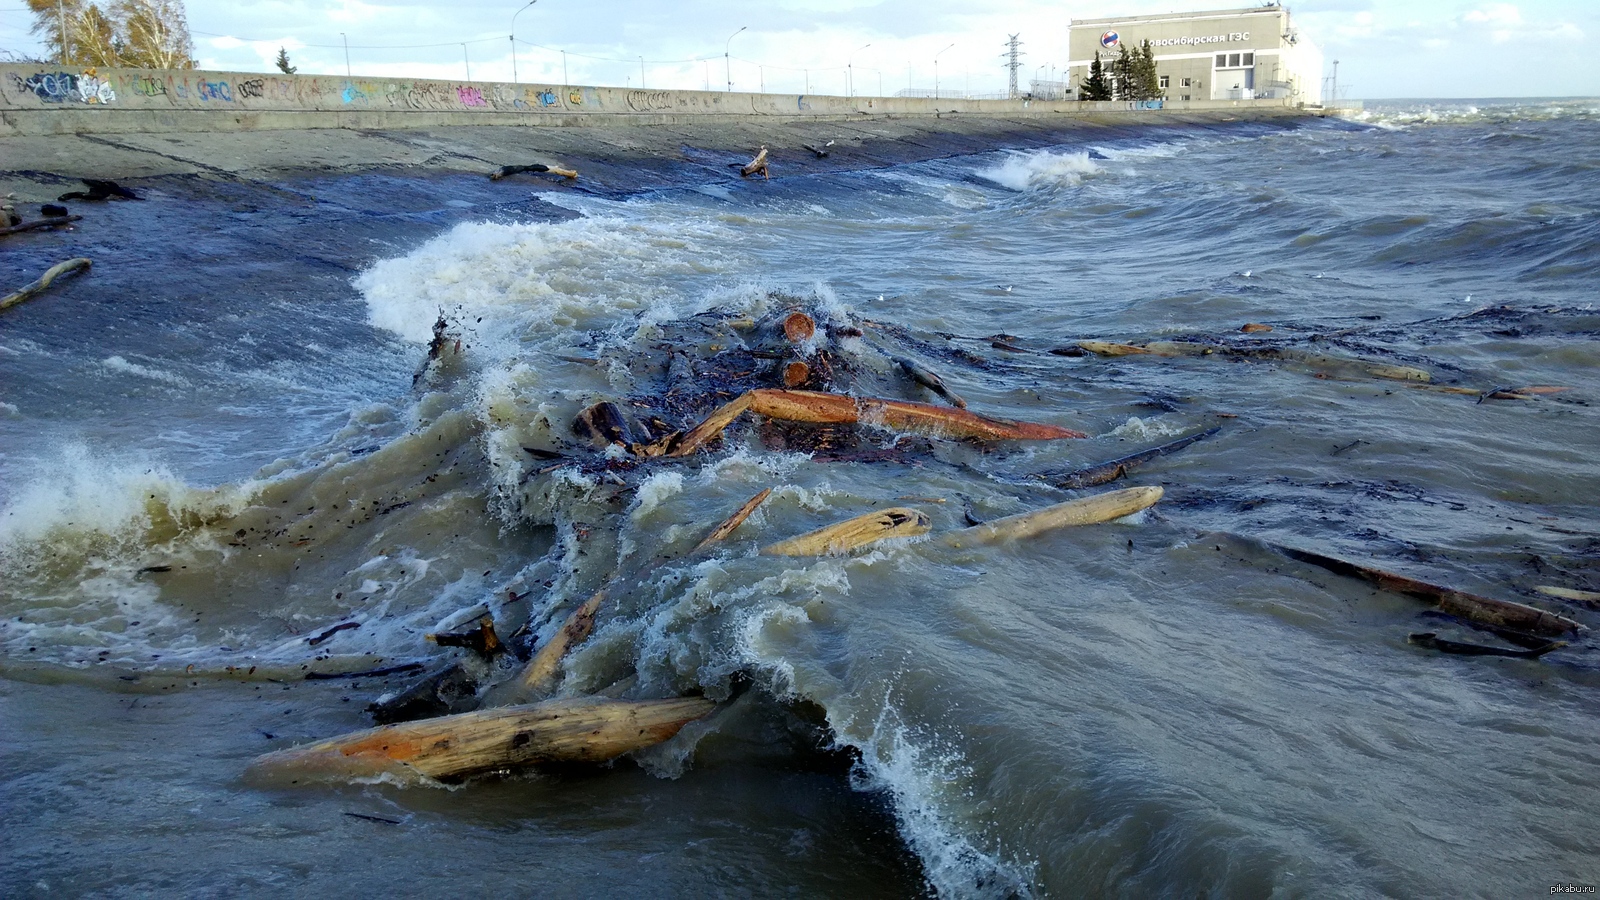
(1043, 169)
(118, 365)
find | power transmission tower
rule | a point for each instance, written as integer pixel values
(1013, 57)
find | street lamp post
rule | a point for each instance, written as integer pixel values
(850, 70)
(727, 62)
(642, 85)
(514, 42)
(466, 61)
(936, 71)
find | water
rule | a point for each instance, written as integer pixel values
(1143, 707)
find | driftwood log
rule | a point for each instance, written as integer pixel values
(505, 171)
(837, 409)
(1433, 642)
(1504, 616)
(1319, 360)
(1587, 598)
(45, 280)
(1111, 470)
(757, 166)
(1083, 511)
(50, 222)
(929, 380)
(850, 534)
(489, 740)
(732, 522)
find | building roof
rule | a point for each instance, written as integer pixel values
(1197, 14)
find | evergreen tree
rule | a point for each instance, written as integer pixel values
(283, 63)
(1096, 87)
(1150, 82)
(1122, 74)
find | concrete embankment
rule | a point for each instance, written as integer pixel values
(69, 122)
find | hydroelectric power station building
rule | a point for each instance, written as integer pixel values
(1226, 54)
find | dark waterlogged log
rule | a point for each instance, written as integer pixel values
(1497, 614)
(1111, 470)
(45, 280)
(838, 409)
(453, 747)
(929, 380)
(505, 171)
(1433, 642)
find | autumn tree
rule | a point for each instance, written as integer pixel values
(146, 34)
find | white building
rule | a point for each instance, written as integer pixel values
(1227, 54)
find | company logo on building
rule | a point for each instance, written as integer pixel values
(1109, 39)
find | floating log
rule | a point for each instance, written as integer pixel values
(1254, 327)
(539, 676)
(1434, 642)
(929, 380)
(99, 189)
(505, 171)
(838, 409)
(1083, 511)
(1588, 598)
(732, 522)
(795, 374)
(45, 280)
(757, 166)
(845, 536)
(488, 740)
(1108, 348)
(448, 690)
(1111, 470)
(480, 639)
(602, 424)
(1498, 614)
(50, 222)
(821, 152)
(798, 327)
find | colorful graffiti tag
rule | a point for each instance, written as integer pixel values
(470, 96)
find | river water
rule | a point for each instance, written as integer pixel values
(217, 445)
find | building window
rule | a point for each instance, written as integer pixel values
(1187, 82)
(1185, 96)
(1233, 60)
(1249, 59)
(1164, 81)
(1222, 60)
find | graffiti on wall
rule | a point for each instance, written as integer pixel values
(150, 86)
(470, 96)
(213, 90)
(254, 87)
(65, 87)
(649, 101)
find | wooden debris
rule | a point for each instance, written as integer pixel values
(323, 637)
(1111, 470)
(732, 522)
(796, 374)
(45, 280)
(1588, 598)
(480, 639)
(453, 747)
(757, 166)
(821, 152)
(1434, 642)
(798, 327)
(838, 409)
(602, 424)
(850, 534)
(1083, 511)
(929, 380)
(1499, 614)
(1254, 328)
(539, 676)
(49, 222)
(99, 189)
(1108, 348)
(449, 690)
(505, 171)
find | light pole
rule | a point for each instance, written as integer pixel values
(642, 85)
(850, 70)
(727, 63)
(467, 61)
(514, 42)
(346, 54)
(936, 71)
(565, 81)
(1335, 98)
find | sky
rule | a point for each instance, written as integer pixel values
(1385, 48)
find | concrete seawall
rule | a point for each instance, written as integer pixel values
(55, 100)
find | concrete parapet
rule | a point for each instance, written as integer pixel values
(45, 100)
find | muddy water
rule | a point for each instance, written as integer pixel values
(220, 445)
